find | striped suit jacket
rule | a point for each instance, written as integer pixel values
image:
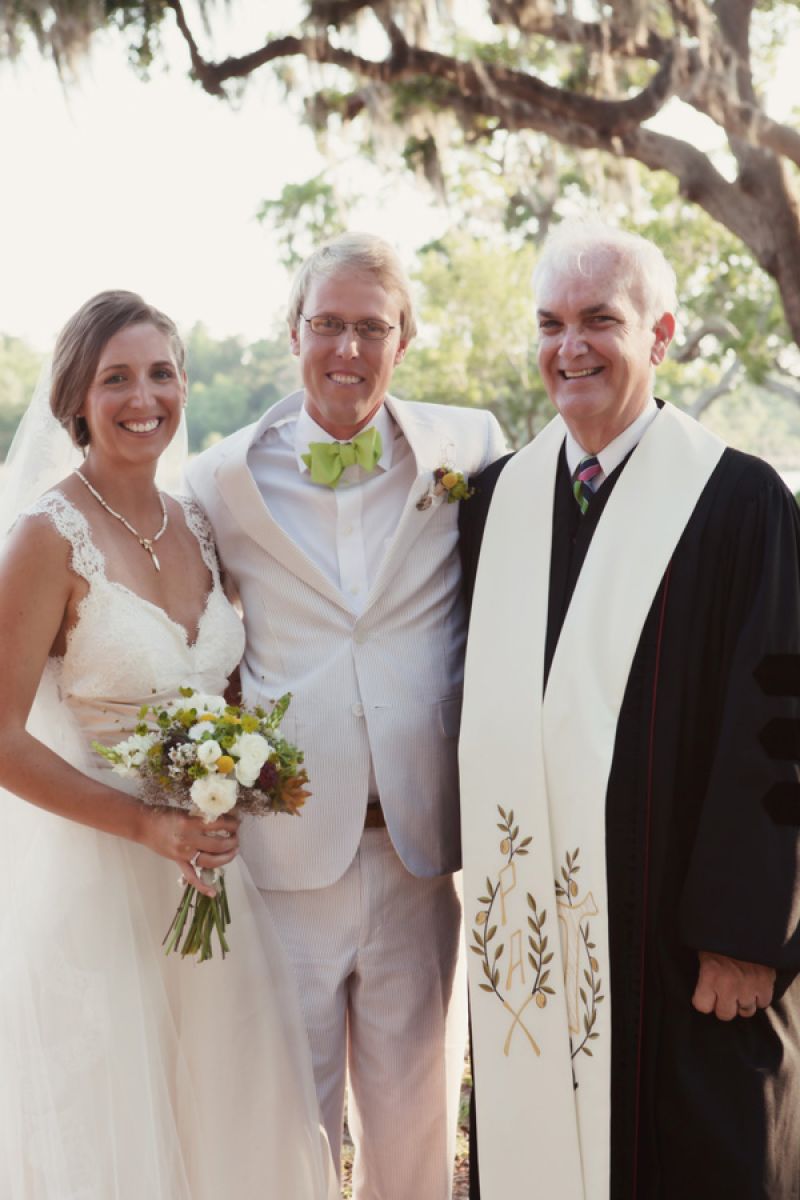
(386, 682)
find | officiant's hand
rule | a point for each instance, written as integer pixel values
(729, 987)
(191, 842)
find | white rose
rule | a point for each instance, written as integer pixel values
(246, 773)
(197, 731)
(214, 795)
(252, 751)
(251, 747)
(208, 752)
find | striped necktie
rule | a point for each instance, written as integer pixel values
(583, 484)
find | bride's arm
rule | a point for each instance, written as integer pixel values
(38, 594)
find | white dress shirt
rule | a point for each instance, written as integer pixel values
(344, 530)
(613, 454)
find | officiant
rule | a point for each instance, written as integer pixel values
(632, 890)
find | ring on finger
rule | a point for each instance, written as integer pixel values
(194, 858)
(747, 1009)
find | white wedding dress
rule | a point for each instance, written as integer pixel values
(124, 1074)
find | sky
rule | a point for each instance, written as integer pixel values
(154, 186)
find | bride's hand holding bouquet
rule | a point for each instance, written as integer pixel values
(201, 763)
(190, 840)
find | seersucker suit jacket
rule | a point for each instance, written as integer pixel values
(388, 680)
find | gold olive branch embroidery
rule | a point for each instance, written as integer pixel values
(590, 999)
(569, 889)
(538, 956)
(591, 995)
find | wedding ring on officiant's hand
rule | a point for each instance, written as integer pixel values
(193, 860)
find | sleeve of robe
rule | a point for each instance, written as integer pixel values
(742, 891)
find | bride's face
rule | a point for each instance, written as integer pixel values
(134, 403)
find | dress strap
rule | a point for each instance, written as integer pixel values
(198, 523)
(71, 524)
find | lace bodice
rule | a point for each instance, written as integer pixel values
(125, 651)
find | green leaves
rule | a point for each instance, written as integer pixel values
(304, 214)
(278, 711)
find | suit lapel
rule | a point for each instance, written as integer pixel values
(430, 446)
(240, 493)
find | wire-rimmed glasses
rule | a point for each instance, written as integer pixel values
(368, 329)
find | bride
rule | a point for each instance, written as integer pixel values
(125, 1074)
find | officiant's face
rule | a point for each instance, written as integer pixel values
(346, 377)
(596, 351)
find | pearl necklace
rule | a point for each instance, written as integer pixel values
(146, 543)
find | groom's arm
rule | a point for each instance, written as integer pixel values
(496, 444)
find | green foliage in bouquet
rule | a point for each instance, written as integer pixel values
(202, 754)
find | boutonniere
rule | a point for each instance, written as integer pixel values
(446, 482)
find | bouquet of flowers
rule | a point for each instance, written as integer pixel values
(200, 753)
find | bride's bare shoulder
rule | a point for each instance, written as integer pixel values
(47, 529)
(37, 535)
(37, 582)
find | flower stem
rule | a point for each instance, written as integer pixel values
(208, 913)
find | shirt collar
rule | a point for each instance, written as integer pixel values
(617, 450)
(307, 430)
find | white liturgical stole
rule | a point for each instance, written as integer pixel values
(534, 774)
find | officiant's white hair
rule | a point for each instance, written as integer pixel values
(363, 254)
(575, 245)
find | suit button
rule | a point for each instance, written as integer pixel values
(360, 636)
(357, 710)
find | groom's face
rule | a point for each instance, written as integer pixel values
(346, 377)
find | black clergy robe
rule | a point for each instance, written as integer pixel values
(702, 838)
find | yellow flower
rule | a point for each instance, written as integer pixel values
(450, 479)
(225, 764)
(207, 716)
(250, 723)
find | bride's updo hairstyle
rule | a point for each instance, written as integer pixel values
(82, 341)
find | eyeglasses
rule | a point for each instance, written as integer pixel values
(368, 329)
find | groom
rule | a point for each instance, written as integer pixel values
(341, 541)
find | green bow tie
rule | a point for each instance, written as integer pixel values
(327, 460)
